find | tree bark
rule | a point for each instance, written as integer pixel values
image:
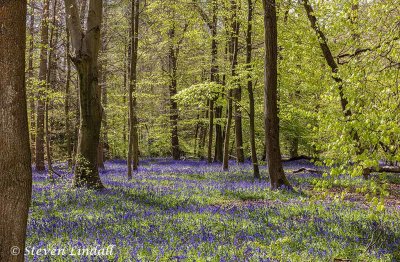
(125, 88)
(86, 45)
(225, 164)
(68, 133)
(40, 106)
(275, 169)
(203, 136)
(103, 144)
(76, 123)
(30, 78)
(15, 158)
(219, 136)
(100, 155)
(104, 99)
(210, 130)
(133, 122)
(233, 51)
(51, 83)
(216, 111)
(172, 65)
(249, 46)
(294, 147)
(212, 111)
(237, 92)
(196, 133)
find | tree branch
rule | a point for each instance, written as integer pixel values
(363, 50)
(93, 26)
(203, 15)
(74, 24)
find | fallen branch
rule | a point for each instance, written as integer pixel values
(387, 169)
(381, 169)
(298, 158)
(311, 170)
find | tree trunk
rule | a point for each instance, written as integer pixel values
(40, 106)
(86, 45)
(294, 147)
(238, 125)
(48, 150)
(219, 139)
(86, 169)
(83, 12)
(76, 123)
(100, 155)
(215, 112)
(203, 137)
(103, 144)
(210, 130)
(51, 83)
(212, 25)
(15, 158)
(125, 88)
(237, 92)
(275, 169)
(133, 122)
(196, 133)
(227, 132)
(233, 51)
(172, 65)
(30, 78)
(68, 133)
(104, 99)
(254, 160)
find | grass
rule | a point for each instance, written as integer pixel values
(191, 211)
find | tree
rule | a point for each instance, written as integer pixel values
(15, 159)
(51, 81)
(249, 47)
(172, 68)
(237, 92)
(233, 52)
(41, 101)
(275, 169)
(30, 76)
(212, 26)
(103, 144)
(68, 131)
(133, 150)
(85, 50)
(330, 60)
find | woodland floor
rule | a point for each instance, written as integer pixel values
(192, 211)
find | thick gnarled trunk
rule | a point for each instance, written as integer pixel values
(86, 171)
(85, 51)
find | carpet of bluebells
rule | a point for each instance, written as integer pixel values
(193, 211)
